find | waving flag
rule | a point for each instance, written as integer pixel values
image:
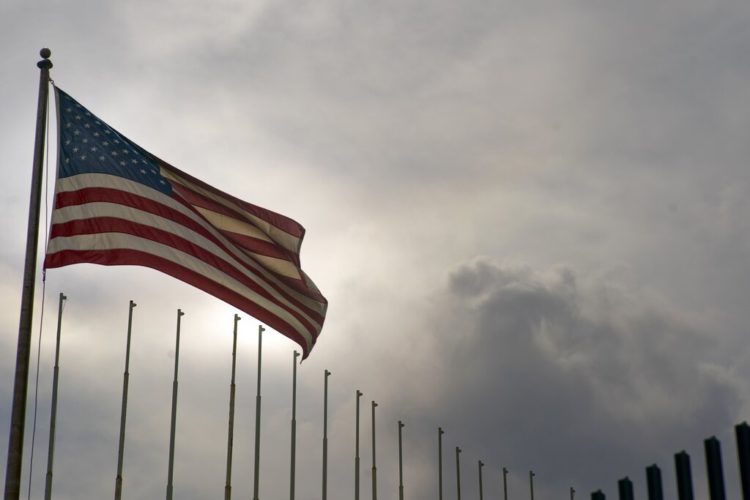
(117, 204)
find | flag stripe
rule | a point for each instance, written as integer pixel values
(122, 256)
(188, 256)
(73, 220)
(171, 209)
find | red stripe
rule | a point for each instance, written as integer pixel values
(283, 222)
(134, 257)
(108, 195)
(96, 225)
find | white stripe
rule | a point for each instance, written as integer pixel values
(115, 241)
(101, 209)
(286, 240)
(82, 181)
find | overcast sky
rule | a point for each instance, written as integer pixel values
(531, 220)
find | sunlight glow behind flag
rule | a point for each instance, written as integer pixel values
(117, 204)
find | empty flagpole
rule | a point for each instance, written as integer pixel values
(374, 466)
(257, 418)
(440, 462)
(294, 424)
(23, 350)
(505, 483)
(326, 374)
(400, 463)
(230, 434)
(53, 411)
(124, 407)
(481, 489)
(458, 473)
(173, 424)
(531, 483)
(356, 450)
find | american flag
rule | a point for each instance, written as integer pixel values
(117, 204)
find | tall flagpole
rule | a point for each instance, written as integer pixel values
(256, 483)
(53, 411)
(440, 463)
(356, 451)
(400, 463)
(294, 424)
(230, 433)
(481, 488)
(531, 483)
(124, 408)
(374, 467)
(505, 483)
(326, 374)
(173, 425)
(458, 473)
(23, 351)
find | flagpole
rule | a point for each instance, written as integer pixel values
(400, 463)
(374, 467)
(458, 473)
(230, 433)
(173, 425)
(53, 411)
(124, 408)
(294, 424)
(481, 489)
(23, 350)
(326, 374)
(440, 463)
(505, 483)
(356, 451)
(257, 418)
(531, 483)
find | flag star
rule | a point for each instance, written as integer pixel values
(76, 132)
(88, 114)
(87, 125)
(75, 150)
(67, 143)
(114, 153)
(116, 141)
(83, 157)
(93, 148)
(135, 161)
(143, 172)
(69, 110)
(105, 143)
(68, 125)
(122, 163)
(98, 122)
(107, 132)
(101, 157)
(85, 139)
(96, 134)
(78, 117)
(162, 181)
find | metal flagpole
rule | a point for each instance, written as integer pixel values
(458, 473)
(294, 423)
(326, 374)
(572, 493)
(173, 425)
(124, 409)
(374, 467)
(481, 490)
(531, 483)
(23, 350)
(440, 462)
(356, 450)
(230, 434)
(400, 464)
(257, 418)
(505, 483)
(53, 411)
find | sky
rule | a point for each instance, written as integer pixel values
(530, 220)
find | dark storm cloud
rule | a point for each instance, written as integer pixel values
(543, 372)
